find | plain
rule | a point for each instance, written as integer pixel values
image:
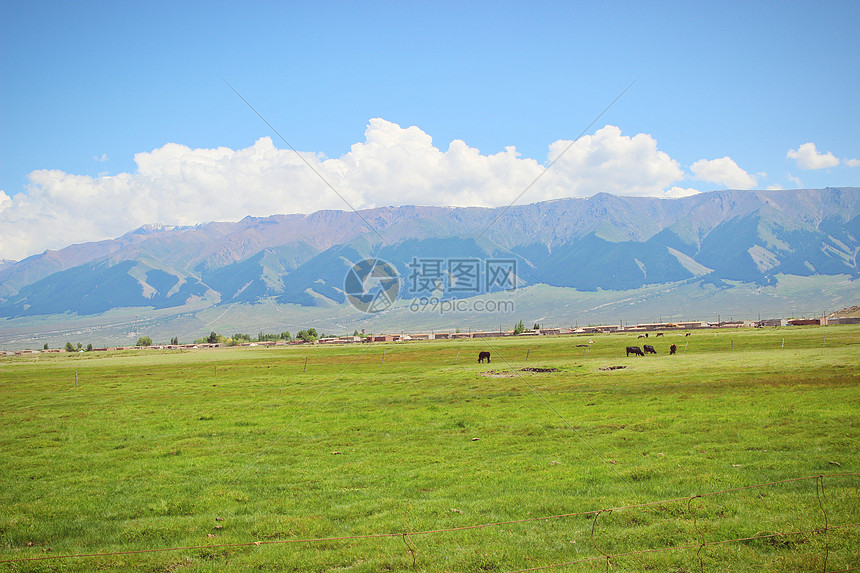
(313, 458)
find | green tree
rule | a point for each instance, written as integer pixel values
(286, 335)
(519, 328)
(89, 347)
(308, 335)
(536, 327)
(174, 341)
(46, 346)
(144, 341)
(239, 338)
(70, 347)
(213, 337)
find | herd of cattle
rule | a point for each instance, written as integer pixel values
(634, 350)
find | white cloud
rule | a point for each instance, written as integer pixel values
(852, 162)
(808, 157)
(775, 187)
(608, 162)
(796, 180)
(178, 185)
(676, 192)
(723, 171)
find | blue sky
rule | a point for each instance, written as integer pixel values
(726, 94)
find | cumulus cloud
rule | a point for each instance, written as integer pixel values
(852, 162)
(808, 157)
(609, 162)
(723, 171)
(675, 192)
(178, 185)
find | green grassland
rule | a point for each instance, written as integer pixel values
(213, 450)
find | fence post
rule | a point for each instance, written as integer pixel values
(305, 369)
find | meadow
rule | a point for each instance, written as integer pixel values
(315, 458)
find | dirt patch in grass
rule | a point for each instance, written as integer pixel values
(510, 374)
(611, 368)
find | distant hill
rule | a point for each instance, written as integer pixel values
(602, 243)
(850, 312)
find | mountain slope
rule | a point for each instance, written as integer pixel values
(603, 242)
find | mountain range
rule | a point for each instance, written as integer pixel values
(602, 243)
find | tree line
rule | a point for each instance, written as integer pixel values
(306, 335)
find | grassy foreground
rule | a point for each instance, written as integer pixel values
(203, 449)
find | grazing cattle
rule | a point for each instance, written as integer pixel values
(634, 350)
(649, 349)
(659, 334)
(483, 355)
(642, 336)
(672, 349)
(688, 334)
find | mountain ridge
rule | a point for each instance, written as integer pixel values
(601, 242)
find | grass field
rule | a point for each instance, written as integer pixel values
(205, 453)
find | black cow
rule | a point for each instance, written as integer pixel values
(634, 350)
(483, 355)
(649, 349)
(688, 334)
(672, 349)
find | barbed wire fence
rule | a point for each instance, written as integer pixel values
(413, 551)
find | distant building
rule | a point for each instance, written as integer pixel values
(384, 338)
(844, 320)
(806, 322)
(488, 334)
